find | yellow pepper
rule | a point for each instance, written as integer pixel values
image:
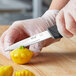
(24, 73)
(21, 55)
(6, 71)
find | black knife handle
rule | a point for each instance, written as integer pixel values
(53, 30)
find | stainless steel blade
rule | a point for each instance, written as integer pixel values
(31, 40)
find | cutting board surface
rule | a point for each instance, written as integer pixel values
(58, 59)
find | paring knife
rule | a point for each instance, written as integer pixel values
(52, 32)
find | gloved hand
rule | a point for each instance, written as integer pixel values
(26, 28)
(66, 19)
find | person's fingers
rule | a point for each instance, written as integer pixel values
(70, 23)
(73, 13)
(2, 46)
(36, 48)
(2, 50)
(2, 39)
(60, 20)
(11, 37)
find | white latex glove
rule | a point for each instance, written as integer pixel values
(66, 19)
(26, 28)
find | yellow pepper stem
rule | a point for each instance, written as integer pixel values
(21, 47)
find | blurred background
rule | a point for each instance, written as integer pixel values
(13, 10)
